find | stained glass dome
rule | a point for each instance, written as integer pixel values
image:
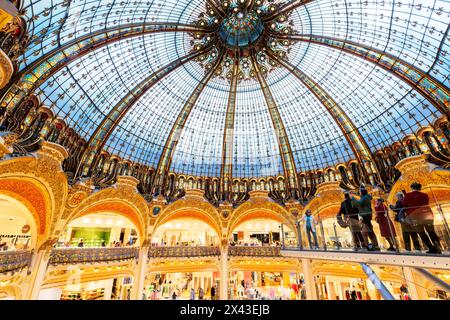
(274, 86)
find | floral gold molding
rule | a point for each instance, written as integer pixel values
(6, 66)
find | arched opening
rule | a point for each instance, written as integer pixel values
(102, 229)
(262, 232)
(185, 232)
(18, 230)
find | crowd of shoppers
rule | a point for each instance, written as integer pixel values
(412, 210)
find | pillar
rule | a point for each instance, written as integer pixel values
(39, 267)
(224, 273)
(310, 286)
(410, 283)
(108, 289)
(140, 272)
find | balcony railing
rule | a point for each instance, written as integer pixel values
(183, 251)
(14, 260)
(88, 255)
(254, 251)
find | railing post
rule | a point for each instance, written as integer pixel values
(338, 246)
(299, 231)
(394, 239)
(323, 235)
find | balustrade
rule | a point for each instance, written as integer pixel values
(183, 251)
(88, 255)
(14, 260)
(254, 251)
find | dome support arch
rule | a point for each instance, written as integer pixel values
(175, 133)
(348, 128)
(226, 169)
(287, 157)
(43, 68)
(433, 90)
(109, 123)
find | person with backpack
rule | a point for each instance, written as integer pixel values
(364, 205)
(348, 217)
(408, 232)
(419, 214)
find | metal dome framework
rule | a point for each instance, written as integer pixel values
(140, 79)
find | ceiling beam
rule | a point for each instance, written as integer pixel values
(286, 8)
(113, 118)
(170, 146)
(433, 90)
(287, 158)
(348, 128)
(35, 74)
(226, 172)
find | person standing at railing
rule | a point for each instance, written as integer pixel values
(364, 205)
(387, 229)
(348, 216)
(419, 214)
(309, 225)
(408, 232)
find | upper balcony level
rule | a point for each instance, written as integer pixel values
(183, 251)
(92, 255)
(14, 261)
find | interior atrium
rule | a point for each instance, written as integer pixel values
(224, 149)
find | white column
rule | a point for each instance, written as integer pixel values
(108, 289)
(224, 273)
(310, 286)
(410, 283)
(37, 277)
(126, 236)
(139, 275)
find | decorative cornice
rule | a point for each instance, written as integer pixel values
(6, 69)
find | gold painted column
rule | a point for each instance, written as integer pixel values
(311, 293)
(39, 269)
(224, 273)
(410, 283)
(140, 272)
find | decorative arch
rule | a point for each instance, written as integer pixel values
(125, 203)
(327, 201)
(434, 181)
(26, 208)
(193, 207)
(260, 207)
(40, 184)
(11, 290)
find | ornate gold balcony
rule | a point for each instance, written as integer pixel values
(181, 251)
(14, 260)
(91, 255)
(254, 251)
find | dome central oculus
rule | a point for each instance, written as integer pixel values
(241, 29)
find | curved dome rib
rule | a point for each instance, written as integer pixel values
(39, 71)
(226, 172)
(287, 7)
(177, 128)
(216, 7)
(287, 157)
(434, 91)
(350, 131)
(104, 130)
